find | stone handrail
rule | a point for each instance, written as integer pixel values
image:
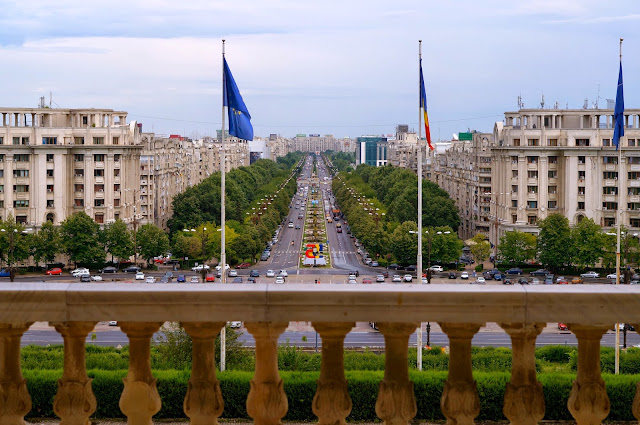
(203, 310)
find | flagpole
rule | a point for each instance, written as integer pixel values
(419, 259)
(223, 256)
(618, 219)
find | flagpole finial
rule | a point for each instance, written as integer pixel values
(621, 48)
(223, 40)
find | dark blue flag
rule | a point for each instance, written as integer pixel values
(618, 113)
(239, 118)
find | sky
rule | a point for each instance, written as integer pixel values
(346, 68)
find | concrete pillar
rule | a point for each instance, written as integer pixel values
(15, 401)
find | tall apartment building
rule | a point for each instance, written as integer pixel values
(464, 171)
(371, 150)
(318, 143)
(562, 161)
(403, 151)
(55, 162)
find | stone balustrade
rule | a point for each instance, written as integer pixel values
(203, 310)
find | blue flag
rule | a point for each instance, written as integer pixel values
(618, 113)
(239, 117)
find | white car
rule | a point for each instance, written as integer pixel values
(194, 279)
(199, 268)
(150, 279)
(591, 274)
(352, 279)
(380, 278)
(271, 273)
(218, 267)
(139, 276)
(437, 269)
(396, 278)
(233, 273)
(425, 281)
(407, 278)
(80, 272)
(283, 273)
(279, 279)
(113, 323)
(235, 325)
(464, 275)
(291, 224)
(613, 276)
(480, 280)
(96, 278)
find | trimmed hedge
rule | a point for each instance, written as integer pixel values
(301, 386)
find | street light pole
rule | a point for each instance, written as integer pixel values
(203, 253)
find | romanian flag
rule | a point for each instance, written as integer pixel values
(423, 105)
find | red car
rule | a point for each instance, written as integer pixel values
(210, 277)
(54, 271)
(367, 280)
(243, 266)
(563, 327)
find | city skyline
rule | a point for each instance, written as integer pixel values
(342, 69)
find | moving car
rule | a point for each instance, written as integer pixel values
(85, 278)
(139, 276)
(243, 265)
(271, 273)
(96, 278)
(199, 268)
(79, 272)
(563, 327)
(291, 225)
(219, 267)
(437, 269)
(56, 271)
(113, 323)
(514, 270)
(540, 272)
(613, 276)
(279, 279)
(374, 264)
(283, 273)
(380, 278)
(407, 278)
(464, 275)
(109, 269)
(356, 273)
(590, 274)
(194, 279)
(412, 268)
(132, 269)
(181, 278)
(235, 325)
(297, 227)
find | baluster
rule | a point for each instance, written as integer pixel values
(203, 403)
(331, 403)
(140, 399)
(523, 397)
(15, 401)
(74, 402)
(635, 406)
(460, 403)
(267, 403)
(588, 401)
(396, 403)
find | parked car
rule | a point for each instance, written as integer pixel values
(396, 278)
(563, 327)
(384, 273)
(613, 276)
(199, 267)
(279, 279)
(96, 278)
(540, 272)
(480, 280)
(85, 278)
(210, 277)
(56, 271)
(132, 269)
(591, 274)
(109, 269)
(523, 281)
(243, 265)
(380, 278)
(4, 273)
(576, 280)
(251, 279)
(548, 280)
(374, 264)
(283, 273)
(150, 279)
(407, 278)
(497, 276)
(194, 279)
(464, 275)
(264, 257)
(507, 282)
(232, 273)
(79, 272)
(452, 275)
(367, 280)
(181, 278)
(352, 279)
(514, 270)
(437, 269)
(113, 323)
(270, 273)
(254, 273)
(392, 266)
(139, 276)
(561, 280)
(535, 281)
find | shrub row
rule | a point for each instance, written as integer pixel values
(300, 388)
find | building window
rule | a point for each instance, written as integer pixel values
(580, 190)
(78, 140)
(514, 188)
(78, 173)
(609, 221)
(609, 190)
(98, 173)
(514, 218)
(116, 202)
(514, 159)
(98, 202)
(552, 190)
(116, 187)
(116, 158)
(605, 142)
(514, 173)
(552, 205)
(21, 188)
(533, 142)
(581, 160)
(1, 203)
(581, 206)
(49, 140)
(21, 157)
(2, 158)
(532, 219)
(633, 175)
(116, 172)
(116, 140)
(514, 203)
(1, 188)
(552, 142)
(532, 189)
(49, 173)
(631, 142)
(78, 187)
(582, 142)
(516, 142)
(21, 203)
(633, 160)
(99, 157)
(552, 174)
(98, 188)
(78, 157)
(99, 218)
(98, 140)
(49, 157)
(634, 191)
(20, 173)
(634, 222)
(633, 206)
(49, 203)
(610, 175)
(532, 160)
(610, 159)
(581, 175)
(79, 203)
(609, 205)
(532, 174)
(49, 188)
(20, 140)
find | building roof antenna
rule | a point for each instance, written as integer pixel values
(542, 101)
(520, 102)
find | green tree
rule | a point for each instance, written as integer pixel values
(15, 241)
(244, 246)
(517, 247)
(47, 243)
(481, 249)
(118, 240)
(446, 247)
(404, 244)
(81, 236)
(152, 242)
(554, 242)
(587, 243)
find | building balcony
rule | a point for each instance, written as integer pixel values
(74, 309)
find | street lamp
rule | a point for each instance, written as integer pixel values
(12, 272)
